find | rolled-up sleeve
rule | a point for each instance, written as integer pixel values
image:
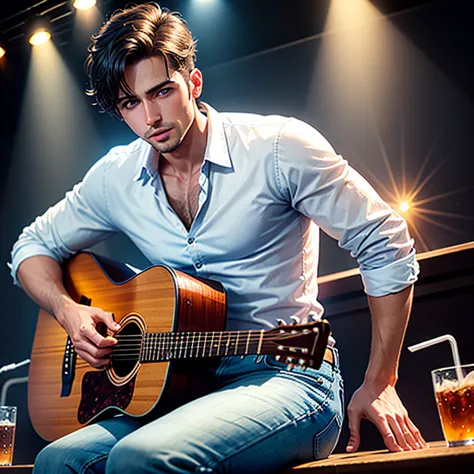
(80, 220)
(321, 185)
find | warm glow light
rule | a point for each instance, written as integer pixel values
(40, 37)
(84, 4)
(2, 52)
(404, 206)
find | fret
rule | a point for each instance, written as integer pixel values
(247, 345)
(141, 349)
(227, 344)
(186, 343)
(179, 343)
(204, 345)
(212, 342)
(194, 344)
(236, 346)
(260, 342)
(219, 343)
(157, 351)
(169, 351)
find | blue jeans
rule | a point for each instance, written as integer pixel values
(262, 418)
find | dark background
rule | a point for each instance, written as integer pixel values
(407, 106)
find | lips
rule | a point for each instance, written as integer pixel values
(161, 134)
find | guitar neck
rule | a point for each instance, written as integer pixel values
(159, 347)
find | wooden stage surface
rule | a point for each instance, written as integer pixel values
(437, 458)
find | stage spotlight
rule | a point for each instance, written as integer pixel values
(38, 30)
(84, 4)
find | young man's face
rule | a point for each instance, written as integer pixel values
(162, 109)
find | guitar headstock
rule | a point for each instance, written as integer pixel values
(298, 344)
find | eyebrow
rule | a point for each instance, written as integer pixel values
(150, 91)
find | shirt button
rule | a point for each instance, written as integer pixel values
(198, 265)
(190, 240)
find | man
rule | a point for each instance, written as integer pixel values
(235, 198)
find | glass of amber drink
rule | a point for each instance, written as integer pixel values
(454, 392)
(7, 434)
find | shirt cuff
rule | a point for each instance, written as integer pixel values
(391, 278)
(22, 255)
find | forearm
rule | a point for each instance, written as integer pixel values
(390, 316)
(42, 279)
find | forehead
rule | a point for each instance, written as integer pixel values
(146, 73)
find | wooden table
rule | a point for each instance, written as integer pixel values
(437, 458)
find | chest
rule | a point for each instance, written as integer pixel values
(183, 196)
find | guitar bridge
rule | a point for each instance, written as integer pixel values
(69, 360)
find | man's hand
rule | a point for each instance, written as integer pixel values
(80, 322)
(381, 405)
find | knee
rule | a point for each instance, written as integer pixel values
(50, 459)
(126, 457)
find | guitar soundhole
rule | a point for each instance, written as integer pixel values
(126, 353)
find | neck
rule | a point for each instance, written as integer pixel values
(188, 157)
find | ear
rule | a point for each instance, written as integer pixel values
(195, 79)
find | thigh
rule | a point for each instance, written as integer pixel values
(262, 418)
(84, 451)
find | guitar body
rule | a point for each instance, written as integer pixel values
(66, 393)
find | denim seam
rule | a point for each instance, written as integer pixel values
(318, 435)
(92, 461)
(276, 430)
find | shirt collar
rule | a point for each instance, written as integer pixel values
(216, 152)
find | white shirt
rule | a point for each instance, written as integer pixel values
(267, 185)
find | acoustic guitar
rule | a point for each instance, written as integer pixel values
(171, 339)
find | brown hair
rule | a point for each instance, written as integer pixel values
(129, 35)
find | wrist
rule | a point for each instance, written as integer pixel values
(61, 307)
(380, 378)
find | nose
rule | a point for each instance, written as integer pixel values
(151, 113)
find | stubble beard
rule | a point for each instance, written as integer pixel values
(167, 146)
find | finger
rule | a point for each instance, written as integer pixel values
(91, 354)
(386, 432)
(354, 427)
(96, 352)
(401, 433)
(88, 331)
(416, 433)
(107, 318)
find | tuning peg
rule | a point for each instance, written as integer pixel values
(291, 366)
(277, 357)
(295, 320)
(281, 322)
(314, 317)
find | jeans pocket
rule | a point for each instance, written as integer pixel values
(325, 441)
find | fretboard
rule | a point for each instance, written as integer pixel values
(158, 347)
